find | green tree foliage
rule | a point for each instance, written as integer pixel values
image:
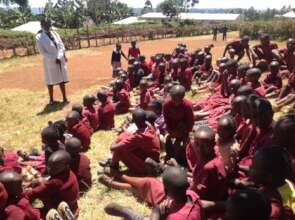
(172, 8)
(105, 11)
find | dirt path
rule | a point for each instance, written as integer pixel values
(90, 67)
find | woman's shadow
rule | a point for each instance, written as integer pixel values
(54, 107)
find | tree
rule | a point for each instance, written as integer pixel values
(148, 7)
(106, 11)
(172, 8)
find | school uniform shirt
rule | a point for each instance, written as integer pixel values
(265, 51)
(51, 48)
(80, 165)
(92, 115)
(179, 119)
(82, 132)
(133, 52)
(106, 116)
(20, 210)
(63, 187)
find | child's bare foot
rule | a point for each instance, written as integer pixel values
(105, 180)
(115, 209)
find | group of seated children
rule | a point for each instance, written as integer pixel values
(222, 156)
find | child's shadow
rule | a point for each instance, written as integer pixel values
(49, 108)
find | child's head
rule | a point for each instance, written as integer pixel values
(234, 85)
(118, 46)
(143, 85)
(175, 63)
(270, 167)
(203, 141)
(208, 60)
(49, 136)
(142, 58)
(175, 182)
(151, 117)
(73, 146)
(284, 132)
(183, 63)
(242, 69)
(60, 127)
(58, 162)
(162, 67)
(168, 57)
(253, 75)
(226, 128)
(139, 118)
(133, 43)
(177, 94)
(245, 41)
(245, 90)
(102, 96)
(232, 53)
(237, 105)
(78, 108)
(89, 100)
(12, 183)
(72, 119)
(167, 79)
(274, 67)
(262, 113)
(156, 106)
(248, 204)
(119, 84)
(291, 44)
(222, 67)
(232, 66)
(265, 39)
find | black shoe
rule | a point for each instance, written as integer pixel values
(105, 163)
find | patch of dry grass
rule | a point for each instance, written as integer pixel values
(20, 129)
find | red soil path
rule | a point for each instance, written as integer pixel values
(90, 67)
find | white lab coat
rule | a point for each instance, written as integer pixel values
(54, 73)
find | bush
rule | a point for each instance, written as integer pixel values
(278, 29)
(13, 39)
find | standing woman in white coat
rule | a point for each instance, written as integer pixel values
(52, 49)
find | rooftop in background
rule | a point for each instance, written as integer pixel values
(195, 16)
(290, 14)
(130, 20)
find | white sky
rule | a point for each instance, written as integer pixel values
(259, 4)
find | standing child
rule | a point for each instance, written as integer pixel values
(116, 57)
(133, 50)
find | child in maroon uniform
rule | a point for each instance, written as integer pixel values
(144, 95)
(252, 78)
(273, 81)
(133, 149)
(17, 207)
(179, 119)
(62, 185)
(106, 111)
(179, 204)
(90, 111)
(121, 98)
(269, 171)
(244, 205)
(133, 50)
(78, 129)
(240, 46)
(80, 164)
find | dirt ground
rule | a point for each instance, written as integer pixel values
(90, 67)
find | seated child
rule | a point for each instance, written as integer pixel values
(273, 82)
(179, 202)
(80, 164)
(106, 111)
(121, 98)
(90, 111)
(252, 78)
(133, 148)
(61, 186)
(78, 129)
(144, 95)
(17, 207)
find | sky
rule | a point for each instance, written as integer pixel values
(259, 4)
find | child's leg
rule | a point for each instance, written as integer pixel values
(126, 213)
(107, 181)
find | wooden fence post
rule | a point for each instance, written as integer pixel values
(96, 43)
(79, 42)
(88, 37)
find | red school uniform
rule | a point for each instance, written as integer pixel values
(61, 188)
(275, 81)
(288, 58)
(210, 181)
(20, 210)
(80, 165)
(191, 157)
(186, 211)
(124, 105)
(106, 116)
(144, 99)
(92, 115)
(82, 132)
(11, 162)
(186, 78)
(137, 147)
(265, 51)
(179, 119)
(238, 46)
(133, 52)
